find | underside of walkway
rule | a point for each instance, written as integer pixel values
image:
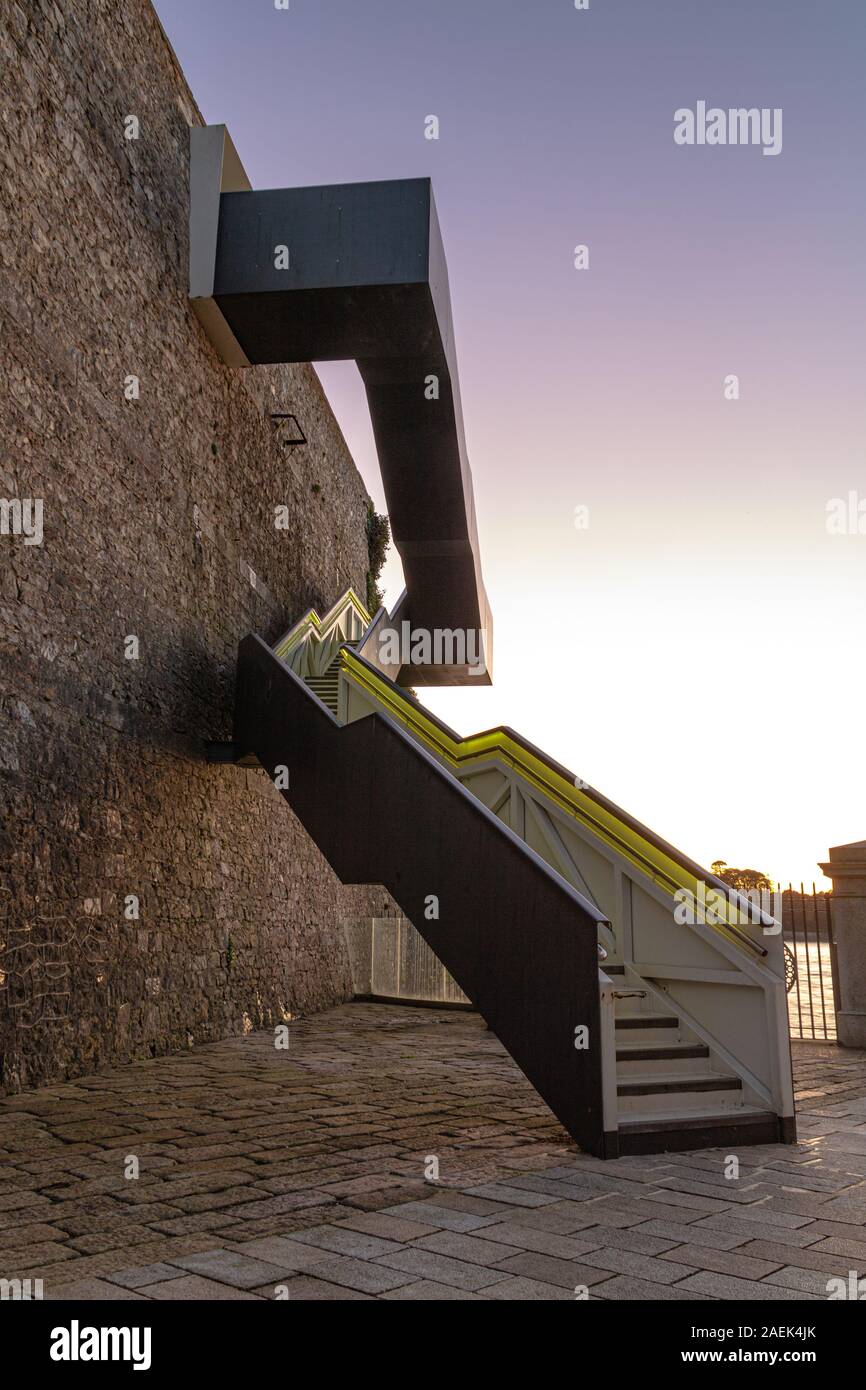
(398, 1153)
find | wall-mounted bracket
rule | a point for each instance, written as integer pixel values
(288, 428)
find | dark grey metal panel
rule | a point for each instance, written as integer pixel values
(514, 935)
(340, 236)
(367, 279)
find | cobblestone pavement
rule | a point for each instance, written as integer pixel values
(301, 1173)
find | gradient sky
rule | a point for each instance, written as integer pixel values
(697, 653)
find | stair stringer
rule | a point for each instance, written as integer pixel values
(382, 810)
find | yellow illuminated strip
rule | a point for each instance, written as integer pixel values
(311, 619)
(462, 753)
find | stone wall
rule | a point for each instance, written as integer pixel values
(156, 510)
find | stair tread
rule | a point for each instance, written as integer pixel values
(695, 1119)
(635, 1052)
(647, 1021)
(677, 1081)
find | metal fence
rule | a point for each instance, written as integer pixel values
(807, 928)
(391, 961)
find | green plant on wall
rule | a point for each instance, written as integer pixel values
(378, 540)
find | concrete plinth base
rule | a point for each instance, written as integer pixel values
(851, 1029)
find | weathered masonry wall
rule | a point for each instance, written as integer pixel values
(147, 900)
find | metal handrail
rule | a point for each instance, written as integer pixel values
(457, 751)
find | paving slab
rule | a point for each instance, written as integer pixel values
(631, 1238)
(461, 1201)
(193, 1288)
(808, 1258)
(440, 1269)
(515, 1196)
(727, 1287)
(697, 1234)
(569, 1274)
(345, 1241)
(92, 1291)
(232, 1267)
(305, 1289)
(849, 1249)
(807, 1280)
(647, 1267)
(472, 1249)
(284, 1251)
(393, 1228)
(734, 1262)
(519, 1236)
(628, 1289)
(445, 1218)
(365, 1275)
(143, 1274)
(528, 1291)
(426, 1290)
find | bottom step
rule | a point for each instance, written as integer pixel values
(658, 1134)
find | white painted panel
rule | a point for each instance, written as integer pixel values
(595, 868)
(735, 1016)
(657, 937)
(488, 786)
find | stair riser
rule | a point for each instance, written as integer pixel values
(689, 1066)
(632, 1004)
(715, 1134)
(649, 1037)
(677, 1103)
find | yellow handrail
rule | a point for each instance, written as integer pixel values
(460, 753)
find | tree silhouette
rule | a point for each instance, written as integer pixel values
(743, 880)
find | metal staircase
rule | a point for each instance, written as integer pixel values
(687, 1021)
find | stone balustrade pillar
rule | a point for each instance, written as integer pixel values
(847, 868)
